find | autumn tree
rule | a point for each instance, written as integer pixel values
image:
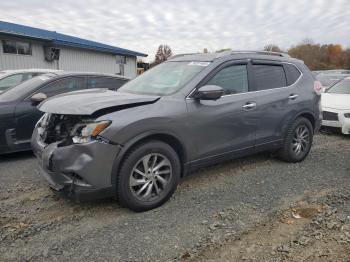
(272, 48)
(163, 53)
(321, 57)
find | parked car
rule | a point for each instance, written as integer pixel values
(329, 79)
(335, 71)
(10, 78)
(336, 106)
(18, 111)
(188, 112)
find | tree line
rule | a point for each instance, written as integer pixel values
(316, 56)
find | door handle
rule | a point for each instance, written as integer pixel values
(293, 96)
(249, 105)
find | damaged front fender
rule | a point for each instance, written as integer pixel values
(83, 167)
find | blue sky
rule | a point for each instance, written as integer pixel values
(188, 25)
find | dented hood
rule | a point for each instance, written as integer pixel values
(88, 102)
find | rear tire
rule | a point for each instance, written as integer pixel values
(148, 176)
(297, 142)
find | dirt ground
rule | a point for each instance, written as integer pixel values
(253, 209)
(315, 229)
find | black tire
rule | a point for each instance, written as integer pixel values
(126, 193)
(288, 152)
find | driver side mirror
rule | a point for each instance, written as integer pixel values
(38, 98)
(209, 92)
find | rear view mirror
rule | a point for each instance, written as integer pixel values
(38, 98)
(209, 92)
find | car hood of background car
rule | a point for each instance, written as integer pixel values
(88, 102)
(336, 101)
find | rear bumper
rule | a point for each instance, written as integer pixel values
(78, 171)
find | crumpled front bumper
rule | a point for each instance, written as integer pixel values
(343, 122)
(80, 171)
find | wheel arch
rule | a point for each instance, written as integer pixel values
(306, 114)
(168, 138)
(309, 116)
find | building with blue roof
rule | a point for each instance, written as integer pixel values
(23, 47)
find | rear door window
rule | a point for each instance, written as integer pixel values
(105, 82)
(269, 76)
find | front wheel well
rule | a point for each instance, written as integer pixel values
(166, 138)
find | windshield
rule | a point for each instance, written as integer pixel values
(328, 80)
(164, 79)
(25, 88)
(342, 87)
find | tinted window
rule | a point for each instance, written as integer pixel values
(10, 81)
(293, 73)
(105, 82)
(233, 79)
(269, 76)
(63, 86)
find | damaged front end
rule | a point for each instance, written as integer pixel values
(72, 155)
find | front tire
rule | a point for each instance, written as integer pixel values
(298, 141)
(148, 176)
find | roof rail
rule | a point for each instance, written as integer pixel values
(179, 55)
(261, 53)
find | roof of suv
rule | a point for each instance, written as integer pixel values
(209, 57)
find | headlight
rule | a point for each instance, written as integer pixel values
(347, 115)
(86, 132)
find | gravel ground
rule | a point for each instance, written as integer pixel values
(210, 211)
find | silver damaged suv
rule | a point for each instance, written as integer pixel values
(191, 111)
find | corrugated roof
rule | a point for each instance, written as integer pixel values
(62, 39)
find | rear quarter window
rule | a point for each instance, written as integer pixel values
(292, 73)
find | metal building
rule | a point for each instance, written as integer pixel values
(23, 47)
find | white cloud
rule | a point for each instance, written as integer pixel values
(188, 26)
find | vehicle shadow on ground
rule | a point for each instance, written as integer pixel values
(228, 167)
(16, 156)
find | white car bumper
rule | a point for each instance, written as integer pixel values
(342, 122)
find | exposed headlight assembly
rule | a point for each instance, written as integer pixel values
(86, 132)
(347, 115)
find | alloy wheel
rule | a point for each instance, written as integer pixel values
(150, 177)
(301, 140)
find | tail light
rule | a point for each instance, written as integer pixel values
(318, 87)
